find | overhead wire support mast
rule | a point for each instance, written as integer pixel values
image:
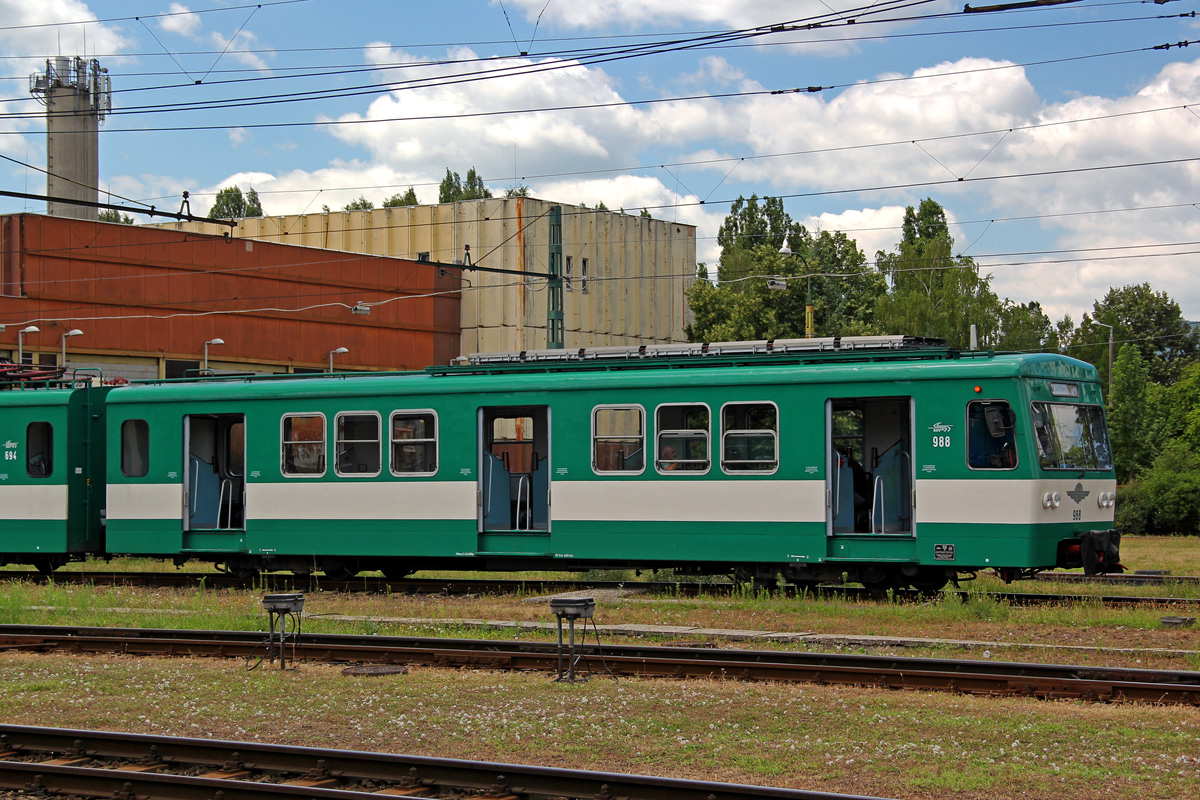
(150, 212)
(554, 278)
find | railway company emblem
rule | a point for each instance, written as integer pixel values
(941, 427)
(10, 445)
(1078, 493)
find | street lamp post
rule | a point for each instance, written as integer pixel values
(337, 352)
(65, 336)
(1110, 352)
(206, 344)
(21, 342)
(809, 327)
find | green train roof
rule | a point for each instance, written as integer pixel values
(848, 360)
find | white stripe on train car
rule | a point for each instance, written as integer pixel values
(681, 500)
(1011, 502)
(366, 500)
(145, 501)
(34, 501)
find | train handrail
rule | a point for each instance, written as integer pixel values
(225, 503)
(878, 500)
(523, 491)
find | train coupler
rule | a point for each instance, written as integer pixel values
(1100, 552)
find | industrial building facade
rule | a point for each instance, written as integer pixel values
(145, 301)
(626, 275)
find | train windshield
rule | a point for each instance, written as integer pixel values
(1071, 437)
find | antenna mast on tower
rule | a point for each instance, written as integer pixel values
(77, 94)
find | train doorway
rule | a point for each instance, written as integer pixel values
(870, 478)
(214, 484)
(514, 475)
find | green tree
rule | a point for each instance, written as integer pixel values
(517, 191)
(934, 292)
(409, 198)
(1149, 319)
(452, 188)
(834, 277)
(1128, 415)
(750, 226)
(231, 204)
(361, 203)
(1025, 327)
(644, 213)
(112, 215)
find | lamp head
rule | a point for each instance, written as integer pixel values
(339, 351)
(215, 341)
(31, 329)
(73, 332)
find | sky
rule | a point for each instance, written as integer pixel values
(1061, 140)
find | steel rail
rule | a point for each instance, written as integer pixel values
(313, 772)
(1047, 681)
(491, 586)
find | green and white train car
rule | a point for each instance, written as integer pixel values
(51, 475)
(866, 458)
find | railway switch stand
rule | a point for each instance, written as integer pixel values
(279, 608)
(570, 609)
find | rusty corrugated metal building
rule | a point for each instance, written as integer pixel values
(627, 275)
(147, 299)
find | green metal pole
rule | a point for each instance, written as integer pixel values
(554, 313)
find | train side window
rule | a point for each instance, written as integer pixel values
(135, 448)
(358, 444)
(619, 439)
(749, 437)
(682, 443)
(991, 435)
(414, 443)
(39, 449)
(303, 445)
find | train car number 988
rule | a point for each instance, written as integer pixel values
(941, 441)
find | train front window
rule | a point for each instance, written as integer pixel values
(991, 435)
(39, 449)
(749, 437)
(618, 439)
(682, 438)
(1071, 437)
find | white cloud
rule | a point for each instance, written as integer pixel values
(238, 136)
(245, 41)
(183, 22)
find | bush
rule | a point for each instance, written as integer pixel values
(1166, 500)
(1133, 509)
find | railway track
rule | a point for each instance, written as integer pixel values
(493, 586)
(56, 762)
(1046, 681)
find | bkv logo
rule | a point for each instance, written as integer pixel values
(941, 427)
(10, 445)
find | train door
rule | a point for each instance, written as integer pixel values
(514, 474)
(870, 477)
(214, 485)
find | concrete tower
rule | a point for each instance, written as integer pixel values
(77, 95)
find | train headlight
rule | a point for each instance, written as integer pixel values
(1107, 499)
(1047, 500)
(1056, 500)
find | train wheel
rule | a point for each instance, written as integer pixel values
(396, 572)
(48, 564)
(241, 569)
(930, 583)
(879, 581)
(338, 570)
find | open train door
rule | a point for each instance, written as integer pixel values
(214, 484)
(514, 480)
(870, 479)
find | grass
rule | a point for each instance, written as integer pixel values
(895, 744)
(870, 741)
